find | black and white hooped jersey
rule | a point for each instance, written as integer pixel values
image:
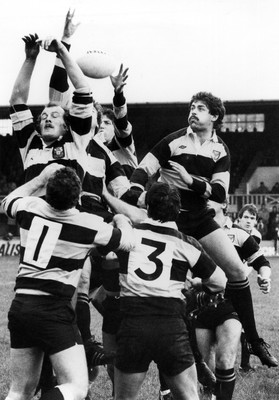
(154, 272)
(245, 244)
(122, 145)
(102, 166)
(69, 150)
(54, 244)
(207, 163)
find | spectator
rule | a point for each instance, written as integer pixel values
(275, 188)
(274, 229)
(271, 219)
(262, 228)
(263, 213)
(261, 189)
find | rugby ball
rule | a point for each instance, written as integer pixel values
(96, 64)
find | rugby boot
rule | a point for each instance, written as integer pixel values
(260, 349)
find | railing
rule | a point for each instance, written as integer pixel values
(238, 200)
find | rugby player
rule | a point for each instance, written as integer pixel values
(55, 239)
(197, 161)
(151, 302)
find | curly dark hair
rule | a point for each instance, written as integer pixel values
(214, 104)
(63, 189)
(163, 201)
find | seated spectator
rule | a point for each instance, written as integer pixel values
(275, 188)
(261, 189)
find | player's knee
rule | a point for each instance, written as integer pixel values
(225, 360)
(74, 391)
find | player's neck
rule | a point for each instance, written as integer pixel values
(204, 135)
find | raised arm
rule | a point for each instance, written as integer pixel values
(124, 128)
(32, 187)
(74, 72)
(59, 89)
(135, 214)
(21, 87)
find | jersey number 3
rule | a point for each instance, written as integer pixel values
(153, 257)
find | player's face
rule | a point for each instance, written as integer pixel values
(247, 221)
(200, 118)
(52, 124)
(106, 130)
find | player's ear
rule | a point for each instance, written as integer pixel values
(214, 117)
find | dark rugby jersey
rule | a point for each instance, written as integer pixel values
(54, 244)
(207, 163)
(153, 274)
(69, 151)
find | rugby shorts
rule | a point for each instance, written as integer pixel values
(46, 322)
(197, 223)
(164, 340)
(213, 317)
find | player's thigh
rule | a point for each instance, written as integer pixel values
(26, 364)
(84, 281)
(70, 366)
(127, 385)
(225, 256)
(184, 385)
(228, 337)
(206, 342)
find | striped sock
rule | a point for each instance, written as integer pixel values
(240, 294)
(225, 382)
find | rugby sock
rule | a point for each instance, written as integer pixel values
(83, 316)
(241, 298)
(163, 385)
(245, 354)
(225, 382)
(53, 394)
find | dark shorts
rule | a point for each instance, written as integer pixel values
(197, 223)
(213, 317)
(46, 322)
(112, 315)
(162, 340)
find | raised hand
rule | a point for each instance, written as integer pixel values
(32, 47)
(119, 81)
(70, 26)
(50, 44)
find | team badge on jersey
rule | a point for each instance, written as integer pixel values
(232, 237)
(216, 155)
(58, 152)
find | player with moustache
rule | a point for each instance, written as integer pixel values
(197, 161)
